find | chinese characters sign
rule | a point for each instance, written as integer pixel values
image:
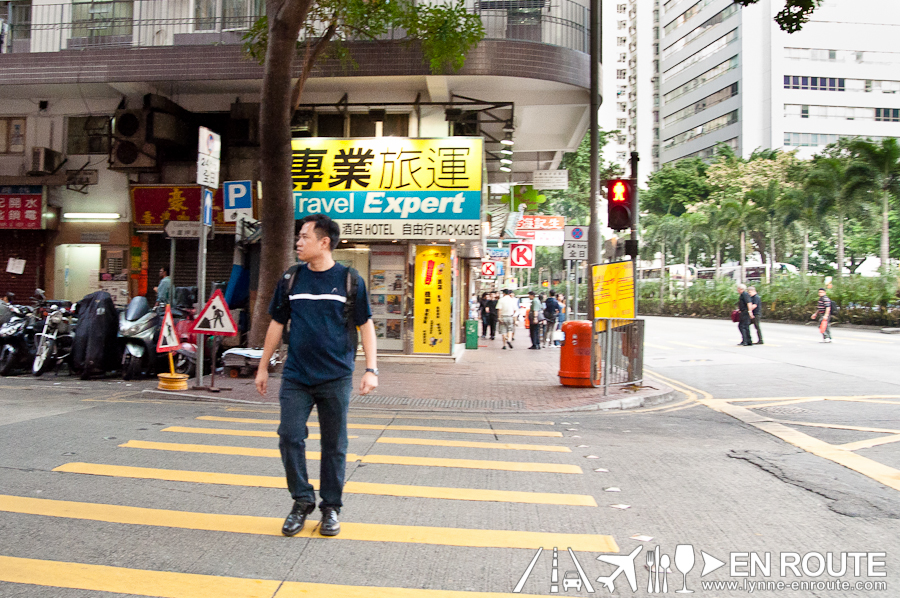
(153, 205)
(390, 187)
(613, 290)
(21, 207)
(543, 230)
(432, 300)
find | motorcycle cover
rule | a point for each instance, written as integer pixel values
(94, 345)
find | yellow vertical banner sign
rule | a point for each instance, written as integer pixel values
(613, 290)
(432, 300)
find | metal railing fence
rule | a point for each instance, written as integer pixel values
(144, 23)
(617, 352)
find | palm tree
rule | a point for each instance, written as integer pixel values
(767, 200)
(876, 167)
(692, 226)
(801, 207)
(828, 182)
(716, 231)
(659, 230)
(742, 215)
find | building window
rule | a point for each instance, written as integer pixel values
(621, 91)
(87, 135)
(887, 114)
(216, 15)
(804, 111)
(12, 135)
(101, 19)
(621, 74)
(814, 83)
(832, 54)
(623, 57)
(621, 106)
(699, 55)
(620, 123)
(720, 17)
(620, 156)
(620, 9)
(620, 41)
(621, 25)
(704, 129)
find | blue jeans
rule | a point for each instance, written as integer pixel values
(332, 400)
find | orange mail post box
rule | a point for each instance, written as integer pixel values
(575, 356)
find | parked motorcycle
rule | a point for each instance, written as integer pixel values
(139, 330)
(17, 339)
(54, 342)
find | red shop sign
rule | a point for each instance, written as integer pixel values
(21, 207)
(152, 205)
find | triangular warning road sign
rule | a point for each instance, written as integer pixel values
(168, 338)
(215, 318)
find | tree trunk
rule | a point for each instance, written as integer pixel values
(804, 265)
(885, 232)
(687, 253)
(662, 276)
(743, 257)
(718, 260)
(840, 247)
(276, 205)
(771, 252)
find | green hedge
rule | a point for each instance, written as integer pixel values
(871, 301)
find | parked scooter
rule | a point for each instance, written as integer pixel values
(139, 330)
(54, 342)
(17, 339)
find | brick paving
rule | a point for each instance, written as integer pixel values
(488, 379)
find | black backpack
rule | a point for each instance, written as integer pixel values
(290, 276)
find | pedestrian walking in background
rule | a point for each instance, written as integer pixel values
(485, 319)
(561, 299)
(744, 303)
(164, 292)
(492, 313)
(506, 310)
(551, 313)
(534, 326)
(756, 313)
(823, 312)
(324, 302)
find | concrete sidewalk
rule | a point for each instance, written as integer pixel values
(488, 380)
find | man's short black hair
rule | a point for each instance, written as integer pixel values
(531, 293)
(324, 227)
(165, 269)
(823, 290)
(553, 293)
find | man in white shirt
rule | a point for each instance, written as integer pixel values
(506, 309)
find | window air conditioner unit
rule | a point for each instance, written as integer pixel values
(44, 161)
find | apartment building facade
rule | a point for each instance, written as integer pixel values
(631, 31)
(730, 75)
(92, 196)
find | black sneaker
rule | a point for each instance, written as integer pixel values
(297, 517)
(330, 525)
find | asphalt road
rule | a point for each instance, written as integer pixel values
(782, 452)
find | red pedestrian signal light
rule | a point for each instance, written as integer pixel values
(620, 203)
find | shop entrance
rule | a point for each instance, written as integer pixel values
(77, 271)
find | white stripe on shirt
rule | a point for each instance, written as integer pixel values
(312, 297)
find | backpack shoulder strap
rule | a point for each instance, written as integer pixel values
(289, 278)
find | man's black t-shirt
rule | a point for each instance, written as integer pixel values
(756, 301)
(551, 308)
(744, 301)
(318, 346)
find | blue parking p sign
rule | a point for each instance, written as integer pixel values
(238, 199)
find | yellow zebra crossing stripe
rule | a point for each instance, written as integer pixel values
(467, 444)
(361, 415)
(166, 584)
(232, 479)
(270, 526)
(224, 432)
(541, 433)
(378, 459)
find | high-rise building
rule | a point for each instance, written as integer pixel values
(631, 81)
(730, 75)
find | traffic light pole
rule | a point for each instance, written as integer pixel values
(634, 225)
(595, 243)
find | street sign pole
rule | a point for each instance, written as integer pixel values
(634, 228)
(208, 153)
(172, 267)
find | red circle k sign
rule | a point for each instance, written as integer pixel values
(521, 255)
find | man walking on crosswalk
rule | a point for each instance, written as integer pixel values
(324, 302)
